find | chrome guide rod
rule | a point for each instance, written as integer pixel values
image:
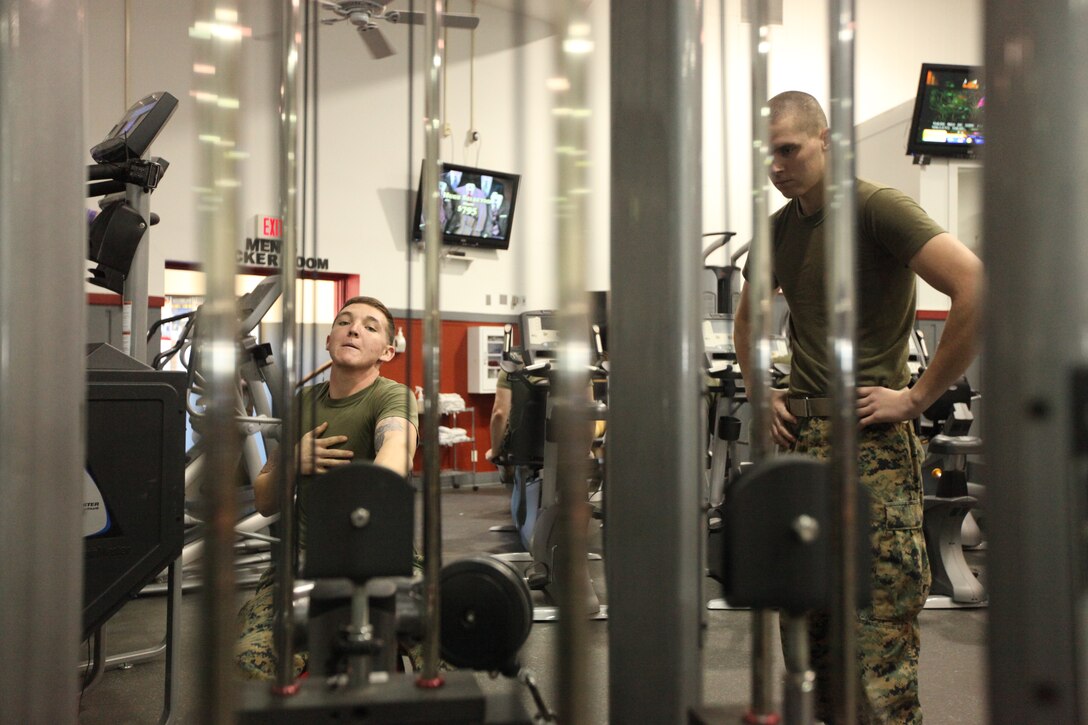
(723, 89)
(134, 299)
(799, 702)
(842, 333)
(760, 295)
(218, 44)
(43, 230)
(1036, 359)
(572, 117)
(290, 151)
(434, 47)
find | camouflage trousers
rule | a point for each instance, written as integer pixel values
(890, 459)
(254, 651)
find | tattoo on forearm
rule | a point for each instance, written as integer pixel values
(385, 426)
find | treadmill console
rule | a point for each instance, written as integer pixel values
(133, 134)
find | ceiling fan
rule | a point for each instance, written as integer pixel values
(364, 14)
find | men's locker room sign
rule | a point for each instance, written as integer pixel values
(264, 248)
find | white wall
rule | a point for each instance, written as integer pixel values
(893, 40)
(366, 178)
(160, 59)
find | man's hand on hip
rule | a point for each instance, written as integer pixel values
(884, 405)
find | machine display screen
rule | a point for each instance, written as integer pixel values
(476, 207)
(134, 133)
(718, 335)
(948, 112)
(132, 119)
(541, 333)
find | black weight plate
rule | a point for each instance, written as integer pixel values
(487, 613)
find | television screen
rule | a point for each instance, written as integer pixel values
(948, 111)
(476, 206)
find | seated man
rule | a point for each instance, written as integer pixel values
(356, 415)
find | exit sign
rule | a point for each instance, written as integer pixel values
(267, 227)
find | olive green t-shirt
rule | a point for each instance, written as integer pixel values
(356, 417)
(891, 230)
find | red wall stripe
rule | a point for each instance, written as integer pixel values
(407, 368)
(112, 300)
(932, 315)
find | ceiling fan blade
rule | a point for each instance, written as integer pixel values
(376, 43)
(453, 20)
(450, 20)
(404, 17)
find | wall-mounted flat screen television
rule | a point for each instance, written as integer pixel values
(476, 206)
(948, 112)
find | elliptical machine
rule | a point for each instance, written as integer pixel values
(257, 417)
(529, 446)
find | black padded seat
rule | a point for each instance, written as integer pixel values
(955, 445)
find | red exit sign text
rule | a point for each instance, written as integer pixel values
(268, 227)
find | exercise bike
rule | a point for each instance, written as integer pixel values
(950, 500)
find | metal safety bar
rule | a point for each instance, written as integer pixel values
(656, 213)
(432, 321)
(218, 212)
(290, 153)
(759, 378)
(571, 403)
(842, 334)
(841, 341)
(42, 379)
(1035, 223)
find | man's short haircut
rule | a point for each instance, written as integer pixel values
(376, 304)
(800, 106)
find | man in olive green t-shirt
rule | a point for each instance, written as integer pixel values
(896, 241)
(356, 415)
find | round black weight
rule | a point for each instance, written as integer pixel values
(487, 612)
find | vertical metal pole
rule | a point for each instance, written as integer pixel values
(290, 151)
(43, 233)
(172, 674)
(1036, 359)
(759, 379)
(432, 331)
(217, 43)
(572, 116)
(134, 300)
(656, 440)
(842, 332)
(799, 698)
(723, 89)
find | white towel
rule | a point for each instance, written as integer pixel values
(449, 436)
(450, 403)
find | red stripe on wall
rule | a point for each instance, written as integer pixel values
(932, 315)
(112, 300)
(407, 368)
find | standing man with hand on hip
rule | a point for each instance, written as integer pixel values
(897, 241)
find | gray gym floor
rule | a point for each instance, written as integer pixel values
(953, 668)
